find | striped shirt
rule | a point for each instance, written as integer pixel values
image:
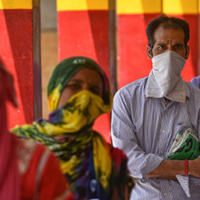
(145, 128)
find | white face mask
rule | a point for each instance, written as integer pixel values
(165, 78)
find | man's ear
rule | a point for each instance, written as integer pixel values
(187, 52)
(149, 52)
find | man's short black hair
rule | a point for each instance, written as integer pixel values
(167, 22)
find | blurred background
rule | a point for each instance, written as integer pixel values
(37, 34)
(49, 47)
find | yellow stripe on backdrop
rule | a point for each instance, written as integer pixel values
(16, 4)
(180, 7)
(138, 6)
(73, 5)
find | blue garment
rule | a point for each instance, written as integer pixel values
(145, 128)
(196, 81)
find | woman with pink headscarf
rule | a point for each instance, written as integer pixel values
(9, 176)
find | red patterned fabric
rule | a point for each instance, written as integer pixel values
(52, 184)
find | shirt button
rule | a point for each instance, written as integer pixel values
(143, 180)
(163, 131)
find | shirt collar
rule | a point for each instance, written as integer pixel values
(186, 89)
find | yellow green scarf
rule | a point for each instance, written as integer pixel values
(91, 166)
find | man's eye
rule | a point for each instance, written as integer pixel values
(178, 47)
(161, 47)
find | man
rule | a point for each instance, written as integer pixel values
(148, 113)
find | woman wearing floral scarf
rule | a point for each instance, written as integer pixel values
(78, 92)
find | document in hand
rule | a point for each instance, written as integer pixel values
(185, 146)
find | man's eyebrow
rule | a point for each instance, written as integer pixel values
(179, 44)
(161, 44)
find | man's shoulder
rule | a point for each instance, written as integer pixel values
(192, 88)
(194, 92)
(134, 90)
(139, 84)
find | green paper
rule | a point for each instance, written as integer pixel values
(185, 146)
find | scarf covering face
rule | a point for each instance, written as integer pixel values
(93, 168)
(165, 78)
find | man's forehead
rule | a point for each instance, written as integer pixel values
(171, 34)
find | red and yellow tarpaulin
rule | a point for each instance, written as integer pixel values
(16, 51)
(133, 18)
(83, 31)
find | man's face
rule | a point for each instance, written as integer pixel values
(168, 39)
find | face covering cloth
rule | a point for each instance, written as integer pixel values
(68, 133)
(165, 78)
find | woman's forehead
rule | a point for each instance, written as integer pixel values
(87, 74)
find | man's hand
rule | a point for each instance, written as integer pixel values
(168, 169)
(194, 167)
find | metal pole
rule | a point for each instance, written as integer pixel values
(198, 38)
(113, 46)
(37, 91)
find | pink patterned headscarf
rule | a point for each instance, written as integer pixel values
(9, 175)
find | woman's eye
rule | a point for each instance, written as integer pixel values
(96, 91)
(74, 86)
